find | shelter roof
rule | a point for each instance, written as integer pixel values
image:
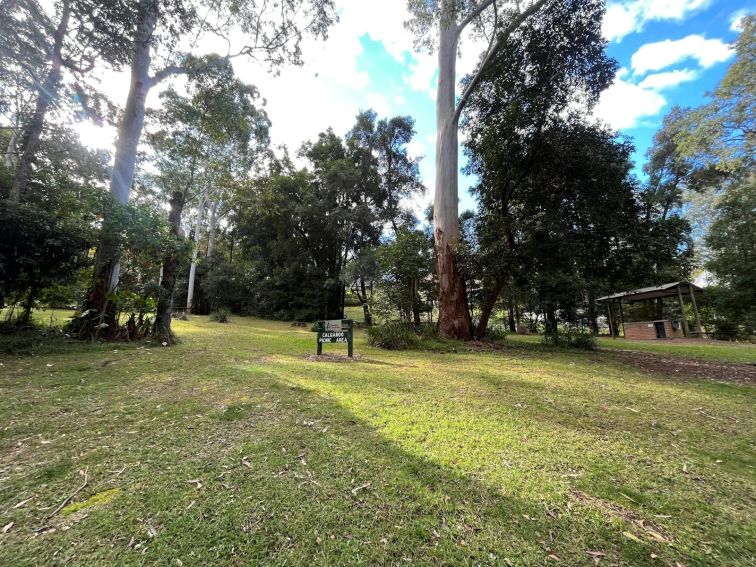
(654, 292)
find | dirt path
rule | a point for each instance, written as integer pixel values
(689, 368)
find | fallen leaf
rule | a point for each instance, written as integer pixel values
(356, 489)
(656, 535)
(554, 556)
(632, 536)
(7, 527)
(596, 553)
(196, 481)
(246, 463)
(179, 563)
(22, 503)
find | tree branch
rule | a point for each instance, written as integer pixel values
(479, 9)
(503, 37)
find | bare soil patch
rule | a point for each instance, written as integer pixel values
(689, 368)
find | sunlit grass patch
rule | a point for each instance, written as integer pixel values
(234, 448)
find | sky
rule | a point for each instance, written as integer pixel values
(670, 52)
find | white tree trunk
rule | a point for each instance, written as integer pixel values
(193, 269)
(212, 228)
(10, 152)
(454, 315)
(130, 130)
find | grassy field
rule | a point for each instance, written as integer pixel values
(236, 448)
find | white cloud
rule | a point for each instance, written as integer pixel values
(625, 105)
(378, 102)
(624, 18)
(736, 20)
(416, 149)
(661, 54)
(659, 81)
(422, 75)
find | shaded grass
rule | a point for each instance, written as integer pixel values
(233, 449)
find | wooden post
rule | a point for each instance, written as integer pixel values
(622, 317)
(695, 310)
(611, 323)
(684, 321)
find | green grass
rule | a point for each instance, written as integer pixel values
(234, 448)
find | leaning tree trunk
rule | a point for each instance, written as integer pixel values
(107, 265)
(195, 253)
(489, 302)
(48, 92)
(162, 328)
(454, 315)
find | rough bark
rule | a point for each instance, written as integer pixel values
(48, 92)
(195, 253)
(489, 302)
(162, 327)
(454, 315)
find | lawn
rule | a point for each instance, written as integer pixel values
(236, 448)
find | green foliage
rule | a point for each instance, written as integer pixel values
(732, 241)
(407, 285)
(393, 335)
(496, 332)
(37, 251)
(718, 137)
(713, 149)
(306, 232)
(221, 315)
(571, 337)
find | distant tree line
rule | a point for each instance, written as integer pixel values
(210, 217)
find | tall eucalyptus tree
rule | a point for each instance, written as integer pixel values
(439, 25)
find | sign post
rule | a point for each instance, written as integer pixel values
(335, 331)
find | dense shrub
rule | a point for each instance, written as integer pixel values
(495, 332)
(573, 338)
(221, 315)
(393, 335)
(427, 330)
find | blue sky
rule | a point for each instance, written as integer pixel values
(671, 52)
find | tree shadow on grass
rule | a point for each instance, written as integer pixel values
(292, 475)
(293, 478)
(625, 454)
